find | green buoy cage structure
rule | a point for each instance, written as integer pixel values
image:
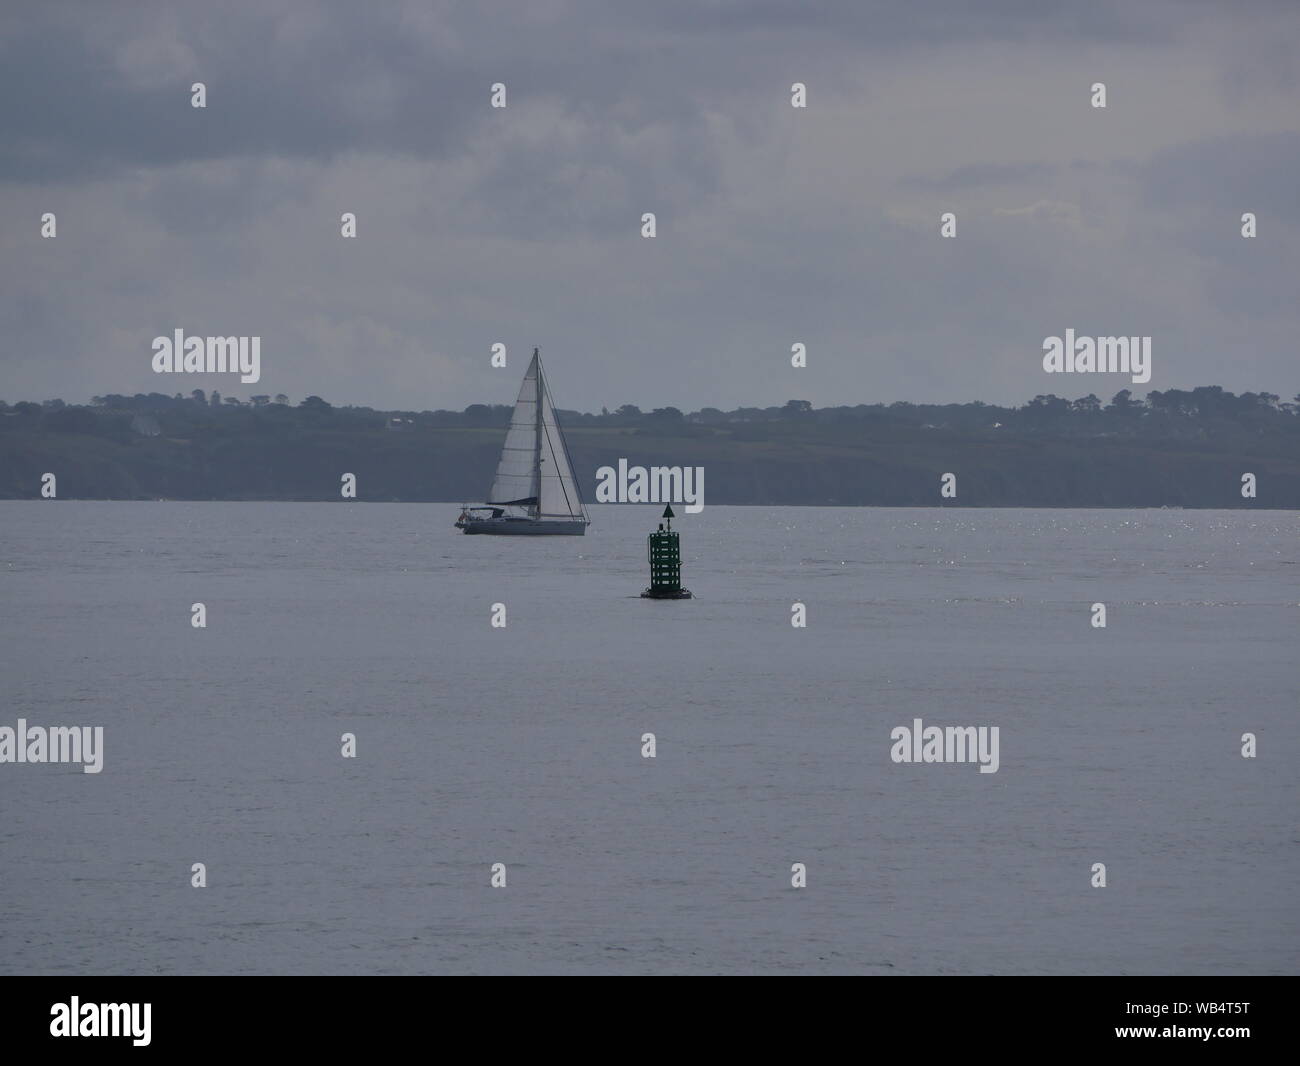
(665, 555)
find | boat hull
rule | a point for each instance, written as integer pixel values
(526, 527)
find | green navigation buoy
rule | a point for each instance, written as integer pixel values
(665, 556)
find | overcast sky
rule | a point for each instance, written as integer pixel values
(775, 225)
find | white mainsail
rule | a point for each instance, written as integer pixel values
(534, 470)
(516, 480)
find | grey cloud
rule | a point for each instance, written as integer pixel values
(522, 225)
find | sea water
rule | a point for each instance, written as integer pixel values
(522, 745)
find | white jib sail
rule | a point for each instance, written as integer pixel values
(559, 489)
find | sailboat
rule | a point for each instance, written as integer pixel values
(534, 492)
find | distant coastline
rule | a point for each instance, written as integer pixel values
(1170, 449)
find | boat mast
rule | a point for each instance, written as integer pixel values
(537, 437)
